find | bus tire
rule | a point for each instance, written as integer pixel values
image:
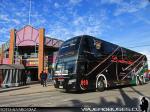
(56, 84)
(67, 89)
(101, 84)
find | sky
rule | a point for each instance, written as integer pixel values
(123, 22)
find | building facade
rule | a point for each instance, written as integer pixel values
(29, 46)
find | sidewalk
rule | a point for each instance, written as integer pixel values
(18, 87)
(28, 89)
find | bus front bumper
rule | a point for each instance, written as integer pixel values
(65, 83)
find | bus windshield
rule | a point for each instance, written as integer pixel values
(67, 56)
(70, 47)
(65, 65)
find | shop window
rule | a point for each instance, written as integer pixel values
(6, 55)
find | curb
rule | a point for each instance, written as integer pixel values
(13, 88)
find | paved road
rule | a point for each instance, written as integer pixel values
(123, 96)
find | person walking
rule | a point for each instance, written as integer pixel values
(41, 77)
(44, 78)
(25, 78)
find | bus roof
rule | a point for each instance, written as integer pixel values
(83, 36)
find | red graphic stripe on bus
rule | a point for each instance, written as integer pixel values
(115, 59)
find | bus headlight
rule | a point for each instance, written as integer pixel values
(72, 81)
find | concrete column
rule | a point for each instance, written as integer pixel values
(41, 52)
(11, 46)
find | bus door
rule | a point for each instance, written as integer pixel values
(87, 54)
(86, 62)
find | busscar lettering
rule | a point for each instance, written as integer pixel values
(115, 59)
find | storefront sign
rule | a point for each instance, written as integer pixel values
(32, 62)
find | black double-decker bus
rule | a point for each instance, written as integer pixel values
(88, 63)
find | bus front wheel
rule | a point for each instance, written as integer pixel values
(100, 84)
(56, 84)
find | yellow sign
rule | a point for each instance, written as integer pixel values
(32, 62)
(98, 44)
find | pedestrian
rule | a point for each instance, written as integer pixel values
(144, 105)
(41, 77)
(49, 77)
(28, 77)
(25, 77)
(44, 78)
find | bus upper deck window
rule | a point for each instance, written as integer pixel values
(86, 45)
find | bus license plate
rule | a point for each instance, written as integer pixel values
(61, 87)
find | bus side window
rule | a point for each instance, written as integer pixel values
(87, 53)
(87, 45)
